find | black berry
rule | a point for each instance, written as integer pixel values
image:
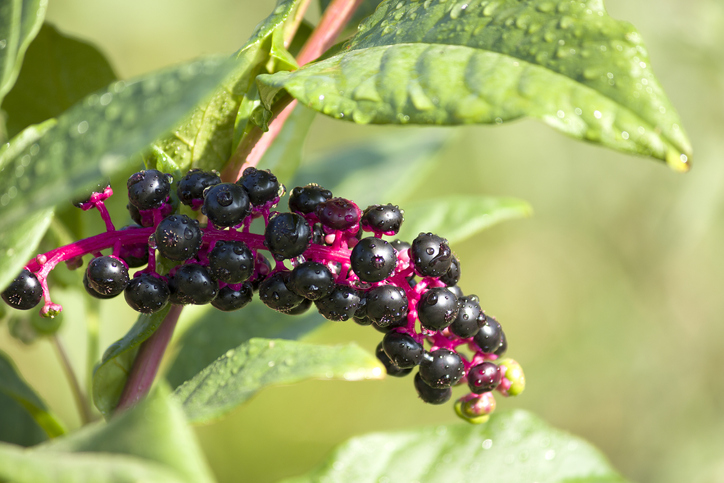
(386, 304)
(399, 245)
(441, 368)
(135, 256)
(338, 214)
(178, 237)
(484, 377)
(392, 369)
(274, 293)
(431, 255)
(262, 269)
(382, 219)
(261, 185)
(147, 294)
(341, 304)
(138, 218)
(311, 280)
(306, 198)
(226, 204)
(107, 275)
(301, 308)
(452, 276)
(373, 259)
(489, 336)
(287, 235)
(437, 308)
(192, 284)
(429, 394)
(397, 324)
(91, 291)
(191, 187)
(148, 189)
(469, 318)
(231, 261)
(402, 349)
(457, 291)
(500, 351)
(24, 292)
(230, 298)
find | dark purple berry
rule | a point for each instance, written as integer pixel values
(431, 255)
(338, 214)
(85, 197)
(138, 218)
(147, 294)
(301, 308)
(230, 298)
(306, 198)
(178, 237)
(500, 351)
(318, 234)
(382, 219)
(311, 280)
(231, 261)
(397, 324)
(24, 292)
(469, 319)
(457, 291)
(373, 259)
(192, 284)
(400, 246)
(226, 204)
(441, 368)
(262, 269)
(274, 293)
(191, 187)
(402, 349)
(91, 291)
(452, 276)
(148, 189)
(107, 275)
(392, 369)
(135, 256)
(431, 395)
(362, 320)
(386, 304)
(261, 185)
(287, 235)
(341, 304)
(437, 308)
(484, 377)
(489, 336)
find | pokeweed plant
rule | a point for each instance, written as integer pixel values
(215, 144)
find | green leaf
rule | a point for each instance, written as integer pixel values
(58, 72)
(14, 386)
(19, 240)
(436, 62)
(513, 447)
(109, 377)
(240, 373)
(20, 21)
(96, 137)
(458, 217)
(216, 332)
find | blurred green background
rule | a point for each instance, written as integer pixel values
(612, 295)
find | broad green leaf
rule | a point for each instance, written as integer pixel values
(17, 426)
(96, 137)
(237, 375)
(14, 386)
(109, 377)
(285, 154)
(58, 71)
(436, 62)
(154, 430)
(19, 240)
(354, 171)
(216, 332)
(513, 447)
(458, 217)
(20, 21)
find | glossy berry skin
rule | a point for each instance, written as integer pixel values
(262, 269)
(469, 319)
(382, 219)
(192, 284)
(261, 185)
(230, 298)
(226, 204)
(489, 336)
(484, 377)
(287, 235)
(457, 291)
(341, 304)
(178, 237)
(392, 369)
(441, 368)
(107, 275)
(500, 351)
(431, 255)
(147, 294)
(148, 189)
(373, 259)
(400, 246)
(437, 308)
(402, 349)
(24, 292)
(191, 187)
(135, 256)
(386, 304)
(311, 280)
(452, 276)
(429, 394)
(274, 293)
(86, 196)
(397, 324)
(304, 199)
(338, 214)
(305, 305)
(231, 261)
(91, 291)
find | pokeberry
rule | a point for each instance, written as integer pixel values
(86, 195)
(231, 261)
(441, 368)
(192, 284)
(226, 204)
(148, 189)
(437, 308)
(147, 294)
(304, 199)
(92, 292)
(261, 185)
(137, 217)
(311, 280)
(107, 275)
(456, 290)
(305, 305)
(402, 349)
(469, 318)
(341, 303)
(500, 351)
(382, 219)
(287, 235)
(373, 259)
(274, 293)
(489, 336)
(452, 276)
(386, 304)
(262, 269)
(399, 245)
(191, 187)
(431, 395)
(484, 377)
(397, 324)
(134, 256)
(230, 298)
(178, 237)
(392, 369)
(338, 214)
(318, 234)
(24, 292)
(431, 255)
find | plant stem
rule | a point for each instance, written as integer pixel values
(147, 361)
(80, 399)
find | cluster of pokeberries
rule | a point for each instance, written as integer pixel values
(325, 252)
